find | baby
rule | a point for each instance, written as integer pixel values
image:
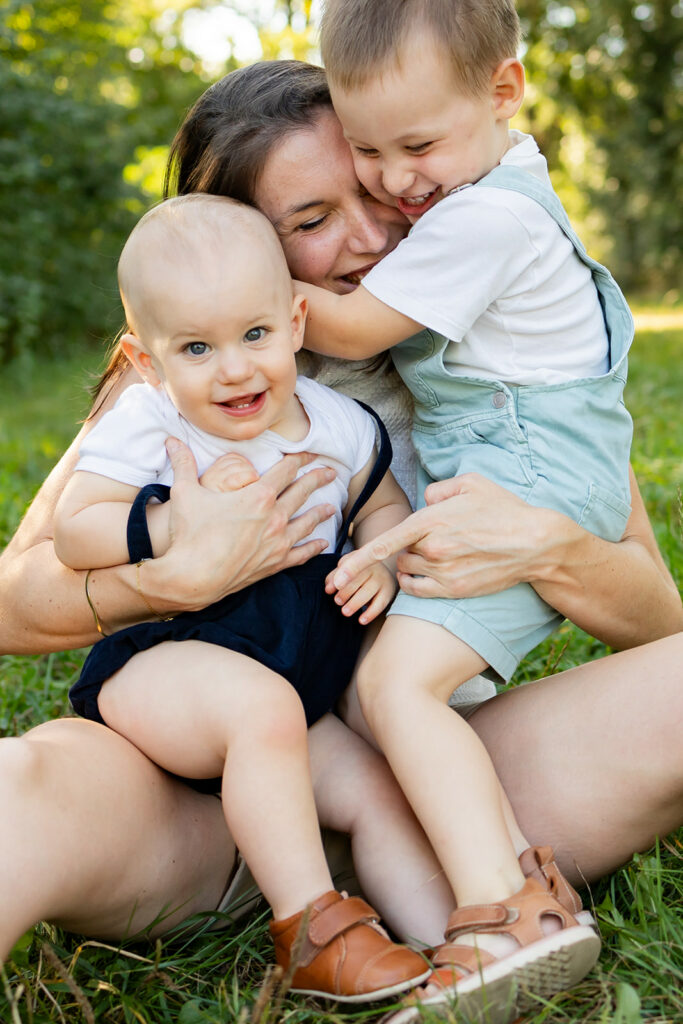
(522, 381)
(213, 330)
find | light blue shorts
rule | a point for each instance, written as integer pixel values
(564, 447)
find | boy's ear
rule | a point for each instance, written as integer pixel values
(507, 88)
(139, 357)
(299, 311)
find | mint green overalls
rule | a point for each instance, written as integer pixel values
(561, 446)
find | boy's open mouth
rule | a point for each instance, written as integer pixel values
(415, 206)
(244, 405)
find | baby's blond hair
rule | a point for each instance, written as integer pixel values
(359, 38)
(183, 231)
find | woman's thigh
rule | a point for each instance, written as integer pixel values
(99, 839)
(591, 758)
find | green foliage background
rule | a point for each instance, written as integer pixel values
(91, 93)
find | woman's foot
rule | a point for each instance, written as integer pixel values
(343, 953)
(498, 957)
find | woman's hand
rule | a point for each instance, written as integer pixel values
(222, 542)
(474, 537)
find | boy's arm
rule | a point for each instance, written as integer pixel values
(91, 519)
(352, 326)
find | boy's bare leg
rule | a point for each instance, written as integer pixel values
(356, 792)
(592, 758)
(98, 839)
(203, 711)
(440, 763)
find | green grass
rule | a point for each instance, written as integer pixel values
(196, 977)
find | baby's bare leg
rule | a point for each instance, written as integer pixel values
(98, 839)
(203, 711)
(440, 763)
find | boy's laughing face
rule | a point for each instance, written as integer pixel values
(415, 134)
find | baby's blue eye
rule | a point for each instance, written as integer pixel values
(197, 348)
(255, 334)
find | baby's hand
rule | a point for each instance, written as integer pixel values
(230, 472)
(372, 589)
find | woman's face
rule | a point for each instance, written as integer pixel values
(332, 231)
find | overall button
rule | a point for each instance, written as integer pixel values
(499, 399)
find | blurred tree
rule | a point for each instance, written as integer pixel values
(605, 104)
(83, 85)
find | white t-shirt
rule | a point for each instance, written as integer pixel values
(491, 270)
(128, 444)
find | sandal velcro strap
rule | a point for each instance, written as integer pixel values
(476, 918)
(338, 918)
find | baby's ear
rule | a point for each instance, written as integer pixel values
(299, 311)
(138, 356)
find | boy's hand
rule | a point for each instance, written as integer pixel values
(372, 590)
(230, 472)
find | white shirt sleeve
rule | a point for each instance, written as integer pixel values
(128, 443)
(457, 260)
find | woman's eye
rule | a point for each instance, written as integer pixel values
(311, 225)
(255, 334)
(197, 348)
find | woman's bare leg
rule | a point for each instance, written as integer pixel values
(592, 758)
(98, 839)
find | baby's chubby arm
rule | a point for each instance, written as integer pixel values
(91, 518)
(92, 514)
(374, 586)
(352, 326)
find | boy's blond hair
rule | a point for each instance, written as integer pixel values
(359, 38)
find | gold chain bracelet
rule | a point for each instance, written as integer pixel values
(93, 609)
(156, 614)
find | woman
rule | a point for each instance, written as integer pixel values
(145, 844)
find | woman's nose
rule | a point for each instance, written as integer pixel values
(367, 233)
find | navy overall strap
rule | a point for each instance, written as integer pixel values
(377, 473)
(137, 535)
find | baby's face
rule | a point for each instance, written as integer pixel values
(414, 134)
(222, 343)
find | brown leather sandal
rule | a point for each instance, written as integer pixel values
(344, 953)
(483, 988)
(539, 862)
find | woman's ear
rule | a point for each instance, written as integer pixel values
(139, 357)
(507, 88)
(299, 311)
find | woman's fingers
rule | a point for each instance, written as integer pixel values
(381, 548)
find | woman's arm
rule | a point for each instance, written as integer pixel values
(474, 537)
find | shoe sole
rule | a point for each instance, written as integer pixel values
(505, 989)
(369, 997)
